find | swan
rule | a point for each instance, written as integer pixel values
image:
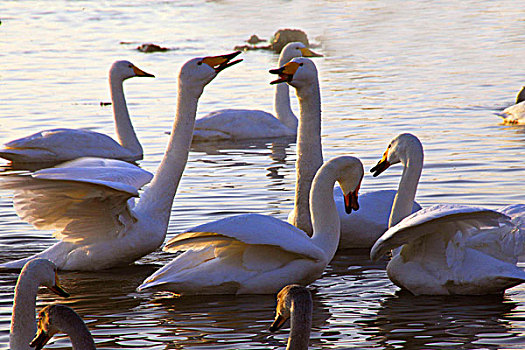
(89, 206)
(259, 254)
(294, 302)
(37, 272)
(515, 114)
(58, 145)
(57, 318)
(238, 124)
(447, 249)
(359, 230)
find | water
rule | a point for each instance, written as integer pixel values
(436, 69)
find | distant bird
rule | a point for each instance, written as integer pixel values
(447, 249)
(515, 114)
(58, 145)
(37, 272)
(239, 124)
(294, 302)
(89, 201)
(54, 319)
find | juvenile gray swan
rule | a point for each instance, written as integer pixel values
(294, 302)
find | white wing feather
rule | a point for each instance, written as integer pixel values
(431, 220)
(84, 200)
(250, 229)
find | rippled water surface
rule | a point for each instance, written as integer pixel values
(437, 69)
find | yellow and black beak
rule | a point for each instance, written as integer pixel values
(351, 201)
(286, 72)
(222, 62)
(381, 166)
(40, 340)
(57, 289)
(277, 323)
(140, 73)
(306, 52)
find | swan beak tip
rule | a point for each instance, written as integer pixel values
(40, 339)
(381, 166)
(277, 323)
(351, 202)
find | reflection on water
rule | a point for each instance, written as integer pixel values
(438, 71)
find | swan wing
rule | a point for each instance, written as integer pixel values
(84, 204)
(249, 229)
(437, 219)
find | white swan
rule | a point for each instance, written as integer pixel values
(446, 249)
(294, 302)
(259, 254)
(58, 145)
(515, 114)
(37, 272)
(238, 124)
(54, 319)
(98, 225)
(359, 230)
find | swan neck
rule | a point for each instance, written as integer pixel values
(406, 193)
(309, 154)
(77, 331)
(300, 325)
(325, 218)
(23, 319)
(158, 198)
(283, 109)
(123, 127)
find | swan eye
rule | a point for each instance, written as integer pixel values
(130, 66)
(301, 64)
(199, 63)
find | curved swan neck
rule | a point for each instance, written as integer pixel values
(406, 192)
(23, 319)
(123, 127)
(325, 219)
(309, 153)
(157, 199)
(72, 325)
(300, 324)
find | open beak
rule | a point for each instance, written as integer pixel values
(277, 323)
(381, 166)
(306, 52)
(220, 63)
(57, 289)
(285, 73)
(351, 201)
(40, 340)
(140, 73)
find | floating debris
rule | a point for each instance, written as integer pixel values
(149, 47)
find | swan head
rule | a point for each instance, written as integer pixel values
(44, 272)
(199, 72)
(288, 299)
(399, 150)
(296, 49)
(299, 72)
(349, 173)
(50, 322)
(122, 70)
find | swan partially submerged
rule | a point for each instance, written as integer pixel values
(59, 145)
(259, 254)
(91, 205)
(240, 124)
(447, 249)
(515, 114)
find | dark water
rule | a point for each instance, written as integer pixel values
(436, 69)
